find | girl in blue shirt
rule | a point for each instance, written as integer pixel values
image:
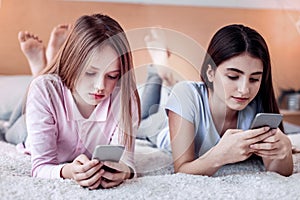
(209, 121)
(210, 128)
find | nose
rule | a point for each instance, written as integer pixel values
(99, 83)
(243, 86)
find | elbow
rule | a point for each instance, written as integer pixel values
(34, 173)
(180, 168)
(287, 170)
(193, 171)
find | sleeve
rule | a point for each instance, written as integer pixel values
(42, 131)
(182, 101)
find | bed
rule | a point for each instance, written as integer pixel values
(156, 178)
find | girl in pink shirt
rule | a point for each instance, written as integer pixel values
(85, 97)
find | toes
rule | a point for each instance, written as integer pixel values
(36, 38)
(64, 26)
(61, 27)
(22, 36)
(28, 35)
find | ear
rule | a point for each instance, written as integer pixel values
(210, 73)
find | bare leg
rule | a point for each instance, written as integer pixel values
(34, 50)
(58, 36)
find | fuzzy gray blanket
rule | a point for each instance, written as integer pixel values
(156, 180)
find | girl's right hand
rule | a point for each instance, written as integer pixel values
(84, 171)
(234, 146)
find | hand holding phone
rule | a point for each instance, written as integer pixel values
(271, 120)
(111, 153)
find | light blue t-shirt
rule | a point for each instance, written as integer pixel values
(190, 100)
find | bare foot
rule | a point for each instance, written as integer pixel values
(58, 36)
(158, 50)
(34, 50)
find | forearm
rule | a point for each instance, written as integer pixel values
(281, 166)
(47, 171)
(130, 173)
(207, 165)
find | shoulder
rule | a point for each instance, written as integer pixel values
(48, 85)
(189, 89)
(45, 81)
(46, 78)
(187, 98)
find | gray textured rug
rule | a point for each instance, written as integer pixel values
(156, 180)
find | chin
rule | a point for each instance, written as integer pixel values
(237, 107)
(90, 102)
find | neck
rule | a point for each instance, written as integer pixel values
(224, 118)
(84, 108)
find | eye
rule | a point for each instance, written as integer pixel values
(113, 77)
(253, 80)
(231, 77)
(90, 73)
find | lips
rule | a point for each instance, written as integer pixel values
(97, 96)
(240, 99)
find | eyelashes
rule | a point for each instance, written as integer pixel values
(90, 73)
(233, 77)
(252, 80)
(112, 77)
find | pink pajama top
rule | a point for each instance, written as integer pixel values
(57, 132)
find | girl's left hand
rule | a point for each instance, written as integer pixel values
(114, 174)
(277, 146)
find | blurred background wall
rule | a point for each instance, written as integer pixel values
(198, 23)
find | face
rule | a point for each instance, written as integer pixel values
(236, 81)
(99, 79)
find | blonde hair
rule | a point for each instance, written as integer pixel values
(88, 33)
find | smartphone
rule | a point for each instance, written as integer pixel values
(271, 120)
(108, 153)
